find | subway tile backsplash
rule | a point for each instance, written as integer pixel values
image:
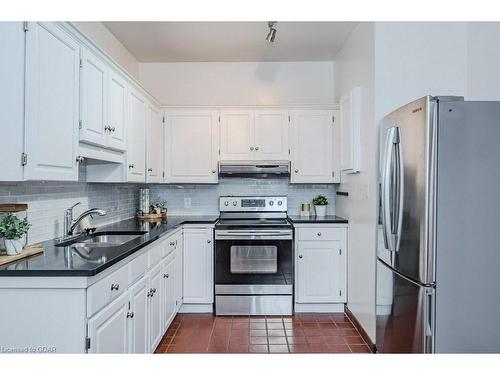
(48, 200)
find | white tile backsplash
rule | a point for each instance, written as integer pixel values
(48, 200)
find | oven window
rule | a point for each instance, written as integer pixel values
(254, 259)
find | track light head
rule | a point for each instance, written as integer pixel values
(271, 35)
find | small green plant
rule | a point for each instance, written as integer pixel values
(159, 206)
(13, 228)
(320, 200)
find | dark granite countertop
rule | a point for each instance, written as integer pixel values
(54, 261)
(328, 219)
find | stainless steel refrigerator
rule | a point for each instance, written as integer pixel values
(438, 253)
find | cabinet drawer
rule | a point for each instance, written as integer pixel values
(320, 234)
(156, 253)
(137, 268)
(170, 244)
(106, 290)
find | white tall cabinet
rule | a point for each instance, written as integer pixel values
(312, 146)
(191, 146)
(52, 103)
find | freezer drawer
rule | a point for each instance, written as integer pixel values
(405, 314)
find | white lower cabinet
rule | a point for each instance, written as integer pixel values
(198, 263)
(155, 297)
(138, 316)
(107, 330)
(321, 267)
(169, 278)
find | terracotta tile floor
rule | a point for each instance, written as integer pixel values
(301, 333)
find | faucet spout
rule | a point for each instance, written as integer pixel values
(83, 215)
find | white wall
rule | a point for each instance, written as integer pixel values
(414, 59)
(354, 66)
(102, 37)
(245, 83)
(483, 65)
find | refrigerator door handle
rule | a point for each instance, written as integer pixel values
(392, 138)
(429, 321)
(400, 192)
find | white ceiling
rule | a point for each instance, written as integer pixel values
(231, 41)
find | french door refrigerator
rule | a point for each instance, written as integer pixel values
(438, 253)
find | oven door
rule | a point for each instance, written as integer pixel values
(253, 257)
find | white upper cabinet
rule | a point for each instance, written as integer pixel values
(191, 146)
(12, 46)
(155, 142)
(350, 125)
(271, 135)
(312, 146)
(136, 150)
(93, 83)
(103, 104)
(52, 103)
(117, 111)
(254, 135)
(237, 135)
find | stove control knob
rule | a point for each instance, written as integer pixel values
(280, 203)
(235, 203)
(226, 203)
(271, 203)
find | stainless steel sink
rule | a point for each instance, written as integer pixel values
(102, 239)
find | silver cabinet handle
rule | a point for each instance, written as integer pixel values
(319, 234)
(115, 286)
(130, 314)
(251, 148)
(131, 166)
(296, 171)
(172, 243)
(149, 294)
(213, 171)
(166, 275)
(80, 159)
(209, 241)
(106, 128)
(256, 148)
(150, 169)
(113, 129)
(300, 256)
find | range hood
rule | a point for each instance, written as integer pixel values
(270, 168)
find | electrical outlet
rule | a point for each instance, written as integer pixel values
(187, 202)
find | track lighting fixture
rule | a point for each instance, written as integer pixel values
(271, 35)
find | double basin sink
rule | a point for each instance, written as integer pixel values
(91, 247)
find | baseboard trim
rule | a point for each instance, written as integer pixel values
(319, 307)
(360, 329)
(197, 308)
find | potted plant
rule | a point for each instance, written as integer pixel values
(320, 203)
(12, 229)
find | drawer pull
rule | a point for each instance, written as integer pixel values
(115, 286)
(209, 241)
(130, 314)
(165, 275)
(319, 234)
(300, 256)
(153, 290)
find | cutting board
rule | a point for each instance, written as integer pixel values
(27, 252)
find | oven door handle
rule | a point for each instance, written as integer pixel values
(253, 235)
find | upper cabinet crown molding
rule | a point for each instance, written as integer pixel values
(350, 131)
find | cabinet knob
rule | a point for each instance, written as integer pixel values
(172, 243)
(209, 241)
(257, 148)
(296, 171)
(153, 290)
(80, 159)
(131, 166)
(106, 128)
(300, 256)
(251, 148)
(150, 169)
(319, 234)
(166, 275)
(213, 171)
(113, 129)
(130, 314)
(115, 286)
(149, 294)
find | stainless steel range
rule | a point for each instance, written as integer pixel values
(253, 257)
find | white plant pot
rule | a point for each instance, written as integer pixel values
(320, 210)
(13, 247)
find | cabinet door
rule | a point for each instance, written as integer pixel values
(169, 276)
(319, 272)
(155, 145)
(107, 330)
(198, 265)
(336, 146)
(52, 102)
(138, 322)
(271, 135)
(117, 111)
(12, 47)
(350, 122)
(237, 135)
(154, 307)
(93, 85)
(178, 271)
(311, 149)
(191, 147)
(136, 151)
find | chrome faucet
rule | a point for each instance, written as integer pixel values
(70, 224)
